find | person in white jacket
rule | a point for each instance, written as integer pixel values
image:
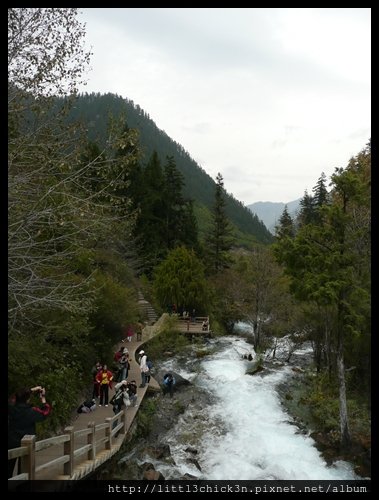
(143, 367)
(123, 398)
(120, 399)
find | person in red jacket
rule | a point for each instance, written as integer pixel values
(104, 377)
(22, 418)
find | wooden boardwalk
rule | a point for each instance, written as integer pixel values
(89, 441)
(194, 327)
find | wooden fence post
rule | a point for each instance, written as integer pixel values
(125, 422)
(68, 449)
(108, 433)
(28, 462)
(91, 439)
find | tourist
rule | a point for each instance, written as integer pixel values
(22, 418)
(104, 377)
(168, 384)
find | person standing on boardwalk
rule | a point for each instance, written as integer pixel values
(124, 366)
(129, 333)
(193, 316)
(96, 385)
(120, 399)
(118, 354)
(22, 418)
(104, 377)
(143, 368)
(121, 396)
(132, 391)
(139, 329)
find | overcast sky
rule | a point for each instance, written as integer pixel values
(270, 98)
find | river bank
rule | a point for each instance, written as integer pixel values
(293, 393)
(196, 435)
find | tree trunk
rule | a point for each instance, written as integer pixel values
(256, 335)
(274, 350)
(344, 424)
(328, 346)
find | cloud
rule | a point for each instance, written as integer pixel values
(268, 97)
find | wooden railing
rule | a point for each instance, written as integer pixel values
(194, 326)
(92, 449)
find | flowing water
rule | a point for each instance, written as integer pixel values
(244, 433)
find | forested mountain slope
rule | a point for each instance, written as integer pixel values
(95, 109)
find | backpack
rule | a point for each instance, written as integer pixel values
(149, 364)
(117, 398)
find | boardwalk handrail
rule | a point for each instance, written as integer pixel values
(66, 448)
(194, 325)
(29, 447)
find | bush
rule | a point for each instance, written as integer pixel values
(167, 340)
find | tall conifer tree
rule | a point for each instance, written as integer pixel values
(220, 239)
(285, 228)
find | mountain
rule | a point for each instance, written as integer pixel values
(94, 111)
(269, 212)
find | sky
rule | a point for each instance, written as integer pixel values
(268, 97)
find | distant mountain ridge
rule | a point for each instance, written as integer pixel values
(269, 212)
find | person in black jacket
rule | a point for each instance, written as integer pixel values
(22, 418)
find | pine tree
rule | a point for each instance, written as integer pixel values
(285, 228)
(219, 240)
(151, 226)
(181, 225)
(320, 196)
(307, 210)
(174, 203)
(329, 265)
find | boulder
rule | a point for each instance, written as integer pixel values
(254, 367)
(190, 449)
(194, 462)
(153, 475)
(158, 452)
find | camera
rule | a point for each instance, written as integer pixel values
(39, 390)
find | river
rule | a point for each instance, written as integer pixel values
(244, 433)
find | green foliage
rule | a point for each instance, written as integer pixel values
(180, 407)
(263, 295)
(62, 394)
(226, 298)
(165, 219)
(146, 411)
(114, 308)
(285, 228)
(321, 396)
(198, 185)
(168, 340)
(219, 240)
(70, 219)
(52, 358)
(328, 262)
(307, 213)
(180, 280)
(202, 353)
